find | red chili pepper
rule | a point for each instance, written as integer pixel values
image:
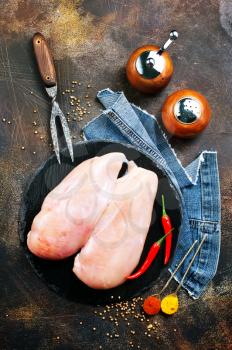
(167, 226)
(150, 257)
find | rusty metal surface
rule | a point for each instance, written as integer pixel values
(91, 42)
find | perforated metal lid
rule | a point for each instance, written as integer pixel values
(187, 110)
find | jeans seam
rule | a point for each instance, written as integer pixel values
(200, 173)
(131, 133)
(205, 221)
(217, 183)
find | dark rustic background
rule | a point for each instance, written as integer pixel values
(91, 41)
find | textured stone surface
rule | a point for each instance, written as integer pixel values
(91, 42)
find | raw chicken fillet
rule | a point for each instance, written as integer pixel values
(114, 249)
(71, 210)
(107, 217)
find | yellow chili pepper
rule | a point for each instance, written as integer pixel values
(169, 304)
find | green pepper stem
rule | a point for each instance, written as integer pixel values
(162, 238)
(163, 207)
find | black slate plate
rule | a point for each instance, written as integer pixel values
(58, 275)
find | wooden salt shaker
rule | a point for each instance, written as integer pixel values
(186, 113)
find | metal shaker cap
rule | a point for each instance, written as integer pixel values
(150, 64)
(187, 110)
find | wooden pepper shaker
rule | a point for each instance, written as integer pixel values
(185, 113)
(150, 68)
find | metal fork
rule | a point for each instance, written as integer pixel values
(48, 74)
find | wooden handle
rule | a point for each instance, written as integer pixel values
(44, 60)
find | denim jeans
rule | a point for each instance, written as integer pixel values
(197, 184)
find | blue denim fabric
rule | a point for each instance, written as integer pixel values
(198, 183)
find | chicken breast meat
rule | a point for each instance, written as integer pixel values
(103, 218)
(116, 244)
(71, 210)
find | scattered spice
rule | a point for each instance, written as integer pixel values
(151, 305)
(123, 311)
(76, 115)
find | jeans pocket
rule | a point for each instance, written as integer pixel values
(205, 265)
